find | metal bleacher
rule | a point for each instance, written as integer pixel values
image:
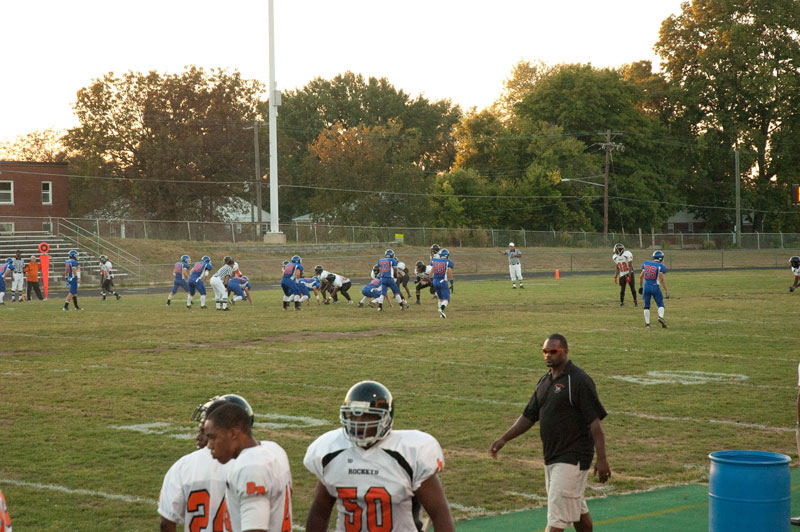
(67, 236)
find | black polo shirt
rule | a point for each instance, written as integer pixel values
(564, 408)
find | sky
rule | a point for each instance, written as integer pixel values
(460, 50)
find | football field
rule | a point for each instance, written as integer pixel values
(96, 403)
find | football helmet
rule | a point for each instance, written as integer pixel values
(444, 254)
(367, 398)
(201, 411)
(401, 265)
(389, 253)
(795, 262)
(435, 248)
(186, 259)
(376, 269)
(331, 277)
(206, 259)
(296, 259)
(285, 263)
(658, 255)
(420, 266)
(619, 249)
(9, 260)
(318, 269)
(73, 253)
(103, 258)
(228, 260)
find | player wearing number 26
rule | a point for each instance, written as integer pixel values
(652, 273)
(376, 476)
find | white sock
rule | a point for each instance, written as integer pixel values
(444, 303)
(379, 299)
(661, 312)
(169, 297)
(398, 299)
(302, 299)
(237, 298)
(188, 300)
(362, 300)
(647, 316)
(202, 301)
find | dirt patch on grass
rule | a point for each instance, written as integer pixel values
(26, 353)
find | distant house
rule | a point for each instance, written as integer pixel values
(30, 194)
(683, 222)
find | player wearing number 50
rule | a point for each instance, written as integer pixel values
(652, 273)
(259, 484)
(193, 492)
(376, 476)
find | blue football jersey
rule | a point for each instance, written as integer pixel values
(439, 267)
(650, 271)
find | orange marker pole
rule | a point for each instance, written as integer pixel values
(44, 260)
(557, 274)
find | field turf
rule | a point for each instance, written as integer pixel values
(96, 404)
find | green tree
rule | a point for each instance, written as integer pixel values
(348, 161)
(40, 146)
(735, 65)
(350, 101)
(175, 144)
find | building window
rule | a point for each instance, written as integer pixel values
(47, 193)
(691, 227)
(6, 192)
(6, 227)
(671, 228)
(47, 227)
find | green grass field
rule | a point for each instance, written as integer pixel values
(96, 404)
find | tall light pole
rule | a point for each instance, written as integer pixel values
(608, 145)
(258, 176)
(274, 102)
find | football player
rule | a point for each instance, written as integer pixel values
(370, 290)
(306, 285)
(401, 273)
(623, 261)
(386, 266)
(5, 268)
(423, 279)
(435, 251)
(193, 492)
(240, 288)
(652, 273)
(795, 263)
(291, 273)
(107, 279)
(376, 476)
(259, 482)
(5, 518)
(338, 284)
(440, 267)
(181, 271)
(72, 273)
(199, 272)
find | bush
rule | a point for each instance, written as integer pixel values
(709, 244)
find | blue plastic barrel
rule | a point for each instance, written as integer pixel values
(748, 491)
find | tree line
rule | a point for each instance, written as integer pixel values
(355, 150)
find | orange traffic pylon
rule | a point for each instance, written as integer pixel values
(557, 274)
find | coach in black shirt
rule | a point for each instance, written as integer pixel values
(566, 405)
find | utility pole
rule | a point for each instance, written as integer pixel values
(608, 145)
(274, 102)
(738, 225)
(258, 177)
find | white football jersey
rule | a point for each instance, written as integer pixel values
(5, 518)
(105, 270)
(622, 262)
(339, 280)
(193, 492)
(374, 487)
(259, 492)
(796, 272)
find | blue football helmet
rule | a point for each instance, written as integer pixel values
(389, 253)
(658, 255)
(206, 259)
(186, 259)
(73, 253)
(444, 254)
(296, 259)
(9, 260)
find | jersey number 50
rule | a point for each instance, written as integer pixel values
(378, 509)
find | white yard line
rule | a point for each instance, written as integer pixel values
(71, 491)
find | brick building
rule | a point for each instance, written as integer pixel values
(30, 194)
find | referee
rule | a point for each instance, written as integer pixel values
(514, 265)
(219, 282)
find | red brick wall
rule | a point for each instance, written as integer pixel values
(27, 178)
